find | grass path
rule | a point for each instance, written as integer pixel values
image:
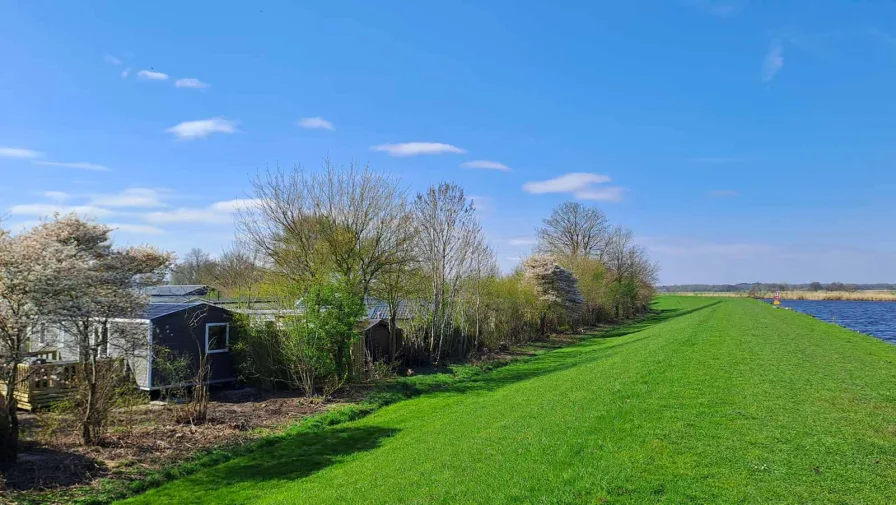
(712, 401)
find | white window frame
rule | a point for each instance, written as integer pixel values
(226, 338)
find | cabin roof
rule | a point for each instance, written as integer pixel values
(176, 290)
(156, 310)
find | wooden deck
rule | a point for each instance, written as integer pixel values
(42, 385)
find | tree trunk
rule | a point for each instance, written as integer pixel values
(9, 423)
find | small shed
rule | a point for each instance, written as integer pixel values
(376, 340)
(192, 329)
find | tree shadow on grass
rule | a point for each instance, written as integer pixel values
(599, 346)
(293, 456)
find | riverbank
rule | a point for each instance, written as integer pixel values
(710, 401)
(858, 296)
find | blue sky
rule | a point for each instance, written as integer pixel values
(740, 140)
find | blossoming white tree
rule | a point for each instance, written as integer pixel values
(84, 282)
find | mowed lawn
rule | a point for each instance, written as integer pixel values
(711, 401)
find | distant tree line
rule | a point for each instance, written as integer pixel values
(773, 286)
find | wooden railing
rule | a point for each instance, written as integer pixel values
(41, 385)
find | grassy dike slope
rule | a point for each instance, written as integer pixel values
(712, 401)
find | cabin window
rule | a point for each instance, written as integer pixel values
(217, 337)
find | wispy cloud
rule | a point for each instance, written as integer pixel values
(486, 165)
(483, 204)
(602, 194)
(315, 123)
(190, 82)
(418, 148)
(56, 196)
(112, 59)
(125, 73)
(567, 183)
(189, 130)
(723, 193)
(81, 165)
(46, 209)
(716, 160)
(582, 185)
(773, 62)
(236, 204)
(522, 241)
(131, 197)
(18, 152)
(136, 229)
(152, 75)
(217, 213)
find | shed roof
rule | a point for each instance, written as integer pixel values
(156, 310)
(176, 290)
(379, 309)
(367, 324)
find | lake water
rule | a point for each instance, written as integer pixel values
(873, 318)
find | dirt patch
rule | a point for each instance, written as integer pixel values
(144, 439)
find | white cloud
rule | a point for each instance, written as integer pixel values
(150, 75)
(45, 209)
(521, 241)
(773, 62)
(18, 152)
(206, 216)
(602, 194)
(216, 213)
(418, 148)
(236, 204)
(723, 193)
(189, 130)
(112, 59)
(131, 197)
(125, 73)
(567, 183)
(136, 229)
(189, 82)
(82, 165)
(485, 164)
(688, 247)
(483, 204)
(315, 123)
(56, 196)
(582, 185)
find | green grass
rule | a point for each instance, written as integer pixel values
(710, 401)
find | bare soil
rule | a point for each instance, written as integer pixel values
(143, 439)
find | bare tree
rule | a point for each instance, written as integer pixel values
(633, 275)
(197, 267)
(574, 231)
(236, 271)
(346, 220)
(483, 267)
(447, 231)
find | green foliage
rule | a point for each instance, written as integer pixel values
(309, 347)
(706, 401)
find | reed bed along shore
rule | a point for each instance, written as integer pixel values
(872, 296)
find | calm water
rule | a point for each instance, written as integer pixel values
(873, 318)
